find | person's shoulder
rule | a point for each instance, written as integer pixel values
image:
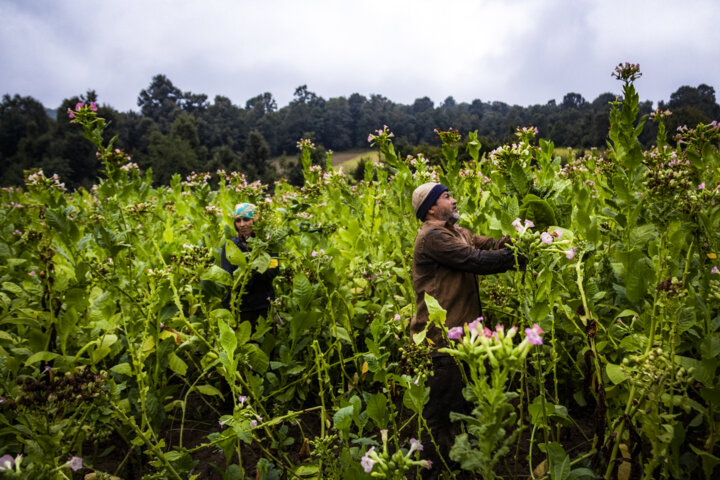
(462, 230)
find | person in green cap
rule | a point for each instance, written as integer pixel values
(258, 291)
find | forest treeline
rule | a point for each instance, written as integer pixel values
(180, 132)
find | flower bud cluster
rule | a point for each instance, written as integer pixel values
(655, 370)
(659, 114)
(392, 466)
(448, 136)
(117, 158)
(380, 137)
(714, 289)
(415, 360)
(192, 256)
(471, 173)
(504, 157)
(417, 161)
(140, 208)
(213, 210)
(58, 391)
(197, 179)
(590, 165)
(130, 167)
(670, 180)
(305, 144)
(627, 72)
(37, 179)
(477, 344)
(673, 287)
(526, 134)
(80, 107)
(699, 136)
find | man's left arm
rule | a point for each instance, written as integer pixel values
(488, 243)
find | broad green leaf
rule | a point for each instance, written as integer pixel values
(228, 341)
(102, 307)
(261, 263)
(243, 333)
(615, 373)
(641, 235)
(538, 210)
(519, 179)
(168, 235)
(41, 356)
(437, 313)
(99, 353)
(343, 418)
(217, 274)
(302, 290)
(415, 397)
(256, 358)
(208, 390)
(177, 364)
(377, 410)
(13, 288)
(235, 255)
(107, 340)
(122, 369)
(419, 337)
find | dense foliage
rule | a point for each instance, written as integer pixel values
(599, 359)
(181, 132)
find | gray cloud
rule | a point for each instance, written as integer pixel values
(520, 52)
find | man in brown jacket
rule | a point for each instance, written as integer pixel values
(446, 262)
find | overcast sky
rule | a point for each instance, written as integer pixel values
(517, 51)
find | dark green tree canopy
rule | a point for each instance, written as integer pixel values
(178, 132)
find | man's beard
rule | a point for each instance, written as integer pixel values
(452, 217)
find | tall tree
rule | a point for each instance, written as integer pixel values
(160, 101)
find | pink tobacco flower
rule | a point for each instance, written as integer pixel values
(79, 105)
(366, 461)
(455, 333)
(701, 186)
(71, 114)
(570, 253)
(415, 446)
(6, 463)
(75, 463)
(242, 399)
(517, 223)
(715, 270)
(93, 106)
(534, 334)
(558, 233)
(546, 238)
(529, 223)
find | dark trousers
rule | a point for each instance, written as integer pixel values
(252, 315)
(446, 396)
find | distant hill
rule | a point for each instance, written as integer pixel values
(51, 112)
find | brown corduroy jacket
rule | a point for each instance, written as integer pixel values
(446, 262)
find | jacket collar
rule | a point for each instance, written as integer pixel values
(439, 223)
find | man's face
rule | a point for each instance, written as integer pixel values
(244, 226)
(445, 209)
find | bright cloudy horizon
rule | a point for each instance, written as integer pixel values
(521, 52)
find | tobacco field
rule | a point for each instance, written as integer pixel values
(599, 360)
